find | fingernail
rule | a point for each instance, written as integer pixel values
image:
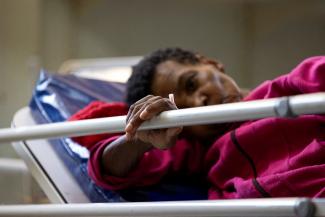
(171, 98)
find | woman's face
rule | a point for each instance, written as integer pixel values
(193, 86)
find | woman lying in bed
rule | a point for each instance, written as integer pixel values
(271, 157)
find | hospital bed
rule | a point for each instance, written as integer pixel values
(63, 176)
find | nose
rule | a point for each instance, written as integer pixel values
(209, 94)
(200, 99)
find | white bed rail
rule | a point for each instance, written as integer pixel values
(283, 207)
(281, 107)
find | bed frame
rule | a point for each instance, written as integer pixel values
(48, 170)
(69, 200)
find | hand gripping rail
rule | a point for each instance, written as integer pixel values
(280, 107)
(281, 207)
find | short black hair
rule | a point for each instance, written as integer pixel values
(139, 83)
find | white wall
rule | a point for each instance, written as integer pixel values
(57, 35)
(256, 39)
(285, 32)
(19, 49)
(122, 28)
(17, 184)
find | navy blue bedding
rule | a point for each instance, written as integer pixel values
(56, 98)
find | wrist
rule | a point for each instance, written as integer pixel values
(144, 146)
(141, 145)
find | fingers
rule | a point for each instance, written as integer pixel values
(132, 107)
(171, 136)
(134, 122)
(155, 107)
(172, 132)
(145, 109)
(134, 112)
(133, 119)
(160, 138)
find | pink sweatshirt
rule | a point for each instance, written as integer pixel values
(271, 157)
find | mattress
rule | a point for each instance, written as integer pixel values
(55, 98)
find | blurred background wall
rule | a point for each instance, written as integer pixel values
(255, 39)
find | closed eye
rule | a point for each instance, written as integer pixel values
(191, 83)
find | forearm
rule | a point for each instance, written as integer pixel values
(121, 156)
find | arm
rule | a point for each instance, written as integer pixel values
(123, 154)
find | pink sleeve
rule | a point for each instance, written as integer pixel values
(154, 165)
(307, 77)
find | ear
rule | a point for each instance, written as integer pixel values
(213, 62)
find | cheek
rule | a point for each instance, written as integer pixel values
(181, 101)
(231, 87)
(226, 79)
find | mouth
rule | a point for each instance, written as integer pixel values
(224, 100)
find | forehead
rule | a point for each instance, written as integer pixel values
(168, 73)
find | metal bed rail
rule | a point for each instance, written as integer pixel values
(281, 207)
(280, 107)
